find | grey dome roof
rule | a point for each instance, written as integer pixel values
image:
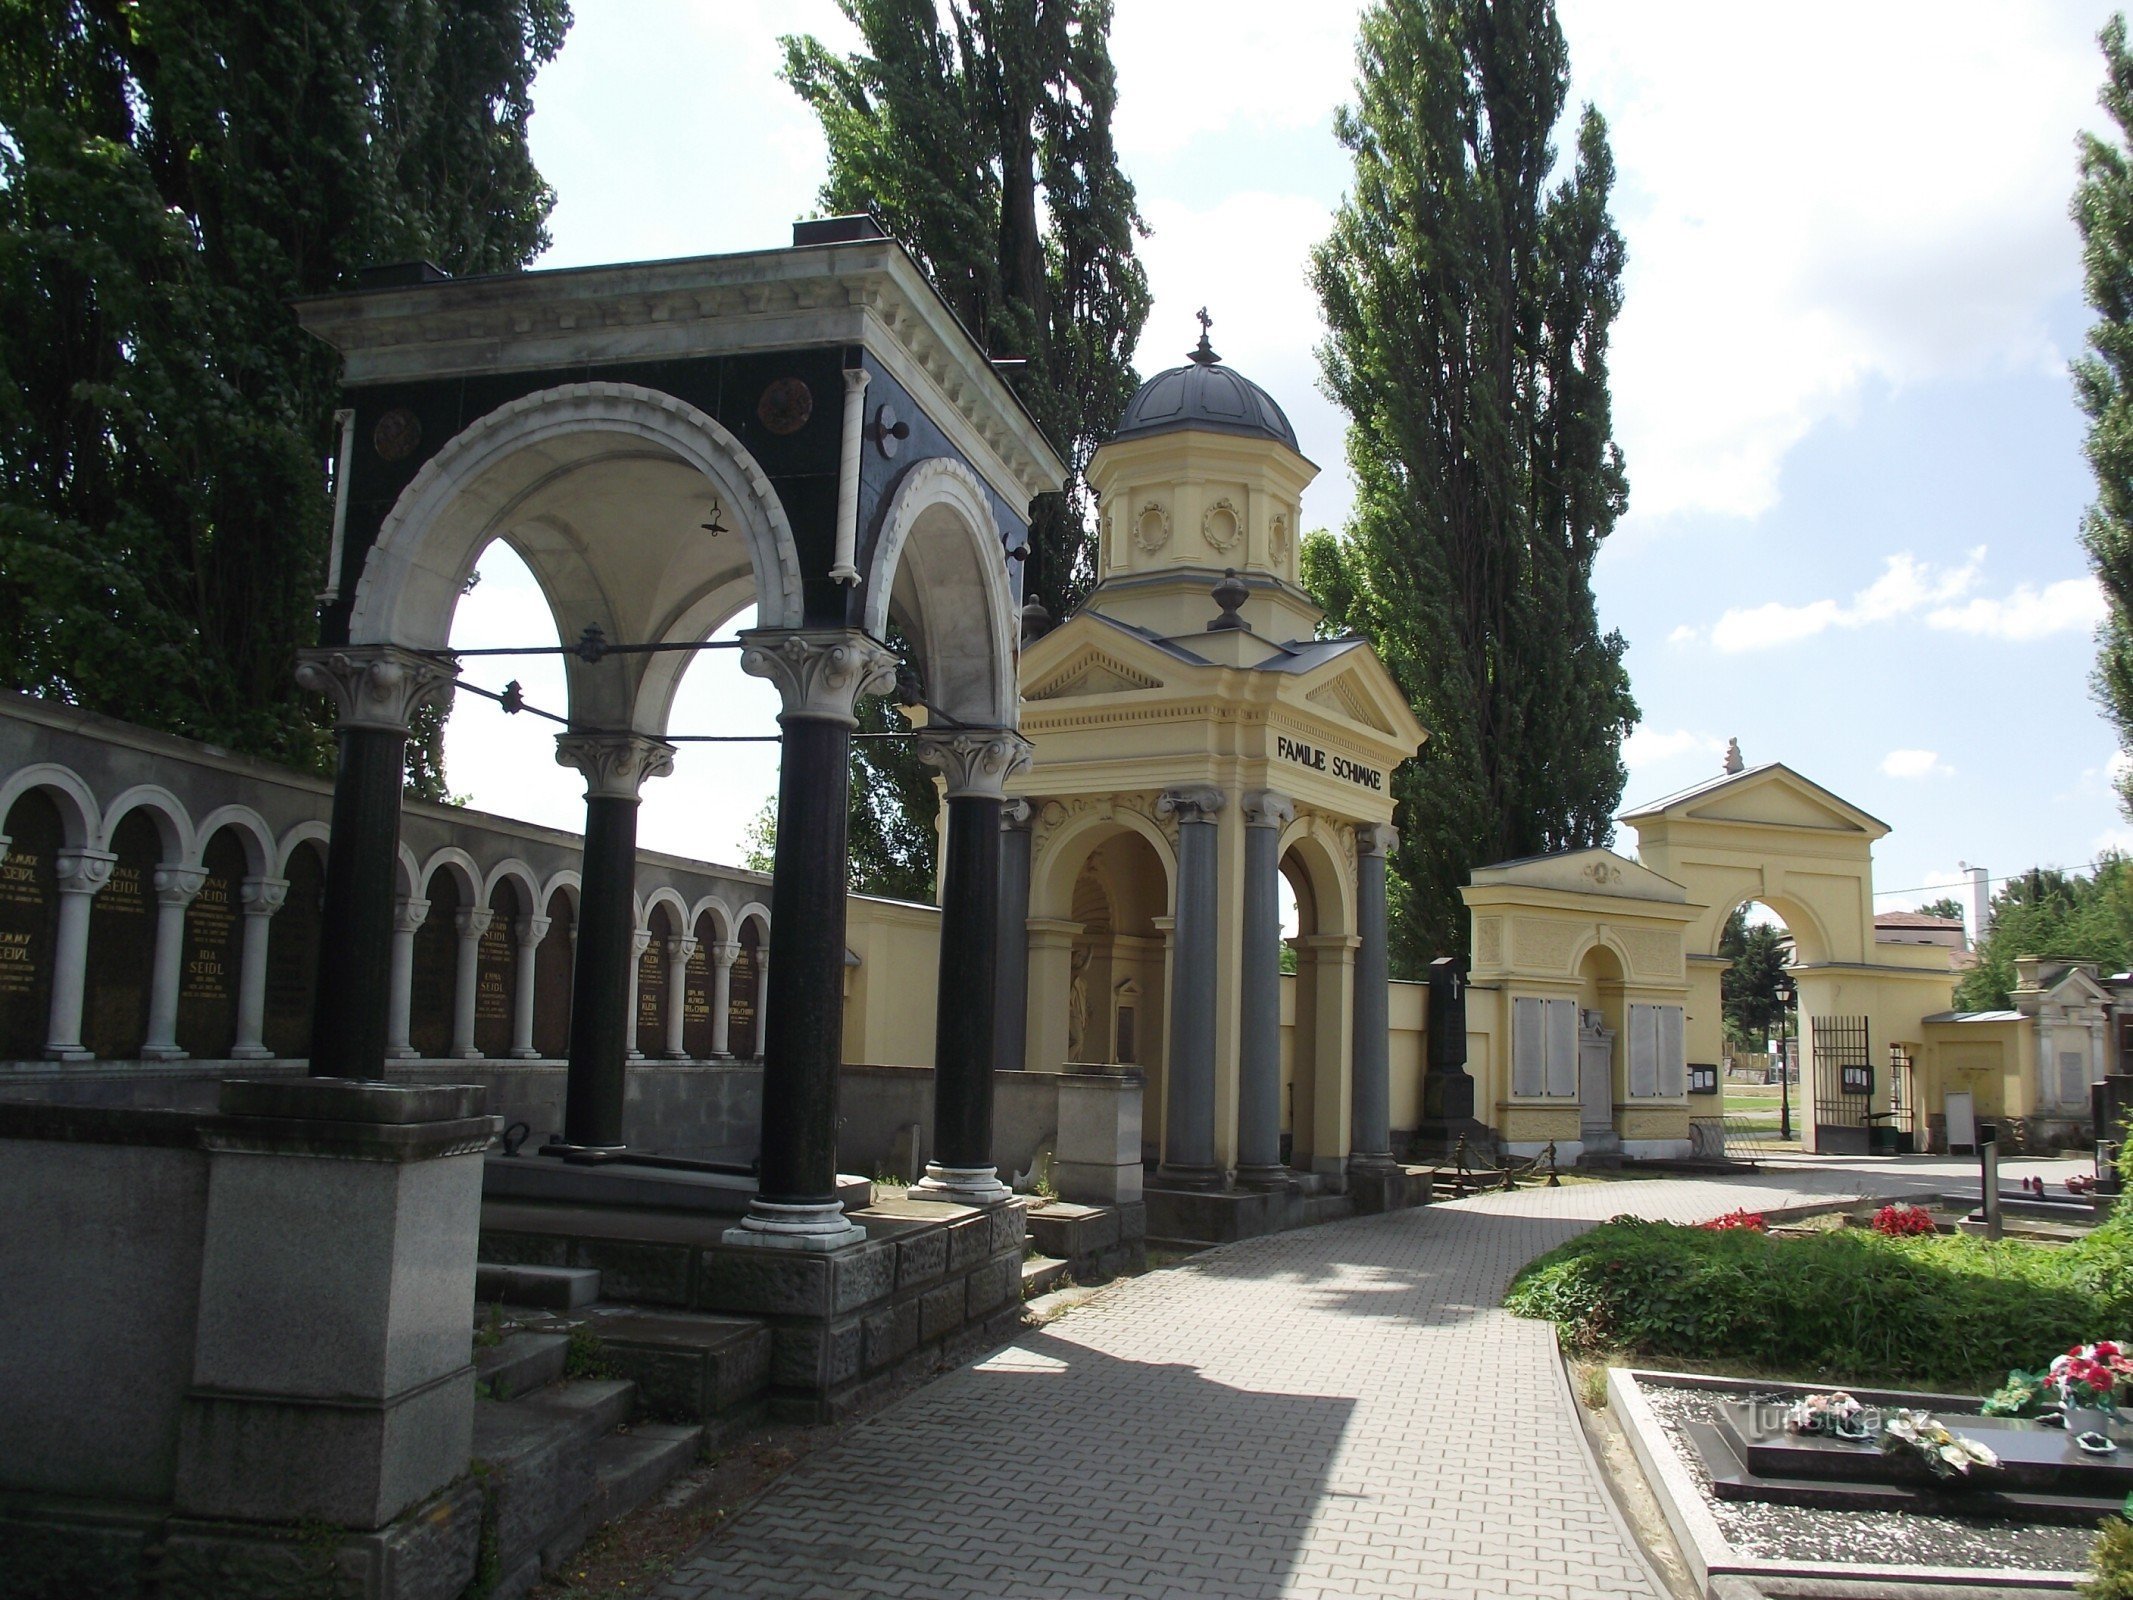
(1204, 394)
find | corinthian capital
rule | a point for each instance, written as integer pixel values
(820, 672)
(1263, 808)
(977, 762)
(1376, 839)
(1189, 805)
(615, 765)
(372, 685)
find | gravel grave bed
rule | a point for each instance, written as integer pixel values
(1882, 1538)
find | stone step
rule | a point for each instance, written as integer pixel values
(688, 1367)
(537, 1464)
(521, 1364)
(556, 1288)
(1319, 1208)
(1041, 1275)
(628, 1468)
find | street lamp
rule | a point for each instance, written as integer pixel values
(1785, 995)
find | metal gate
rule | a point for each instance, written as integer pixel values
(1844, 1086)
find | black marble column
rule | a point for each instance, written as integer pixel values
(820, 673)
(976, 764)
(615, 766)
(375, 689)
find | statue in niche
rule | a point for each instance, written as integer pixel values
(1078, 1005)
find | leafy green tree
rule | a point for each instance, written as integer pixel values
(1469, 287)
(1946, 906)
(979, 132)
(1748, 987)
(2046, 912)
(2103, 380)
(171, 175)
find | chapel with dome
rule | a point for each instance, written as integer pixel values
(1197, 742)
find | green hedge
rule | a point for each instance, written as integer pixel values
(1848, 1304)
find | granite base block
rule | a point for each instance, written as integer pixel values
(264, 1458)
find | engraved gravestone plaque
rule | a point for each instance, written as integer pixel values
(292, 954)
(496, 975)
(551, 982)
(429, 1012)
(214, 948)
(29, 920)
(122, 931)
(696, 993)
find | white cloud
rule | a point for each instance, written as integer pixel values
(1915, 764)
(2071, 605)
(1787, 248)
(2116, 840)
(1253, 66)
(1906, 586)
(1651, 747)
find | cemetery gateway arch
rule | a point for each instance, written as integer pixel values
(807, 431)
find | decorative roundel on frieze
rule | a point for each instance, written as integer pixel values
(1151, 530)
(396, 434)
(786, 405)
(1222, 526)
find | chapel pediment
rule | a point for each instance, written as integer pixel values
(1348, 696)
(1091, 672)
(1593, 871)
(1771, 796)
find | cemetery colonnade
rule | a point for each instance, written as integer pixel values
(236, 985)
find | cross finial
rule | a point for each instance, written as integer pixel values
(1204, 353)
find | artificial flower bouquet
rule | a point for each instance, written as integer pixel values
(2089, 1376)
(1837, 1415)
(1899, 1221)
(1946, 1453)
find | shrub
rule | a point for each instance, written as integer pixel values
(2111, 1563)
(1850, 1304)
(1900, 1221)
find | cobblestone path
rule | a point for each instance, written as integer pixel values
(1342, 1410)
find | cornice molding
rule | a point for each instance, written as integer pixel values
(868, 292)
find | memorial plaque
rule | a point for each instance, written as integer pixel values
(651, 996)
(696, 993)
(29, 923)
(214, 951)
(740, 1009)
(496, 975)
(122, 936)
(429, 1012)
(292, 954)
(552, 980)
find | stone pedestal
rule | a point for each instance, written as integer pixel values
(1098, 1157)
(331, 1379)
(1447, 1114)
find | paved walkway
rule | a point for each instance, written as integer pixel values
(1343, 1410)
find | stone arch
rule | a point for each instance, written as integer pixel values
(566, 881)
(261, 854)
(677, 908)
(316, 833)
(516, 474)
(80, 820)
(455, 861)
(1316, 1089)
(714, 908)
(173, 825)
(938, 560)
(1059, 862)
(412, 876)
(754, 911)
(1600, 940)
(515, 872)
(1323, 858)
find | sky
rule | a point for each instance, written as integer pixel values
(1839, 378)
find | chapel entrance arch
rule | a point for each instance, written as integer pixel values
(1317, 1099)
(1099, 930)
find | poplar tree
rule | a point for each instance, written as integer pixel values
(172, 173)
(2103, 382)
(1468, 291)
(979, 133)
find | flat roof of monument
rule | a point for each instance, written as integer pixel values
(1973, 1016)
(862, 291)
